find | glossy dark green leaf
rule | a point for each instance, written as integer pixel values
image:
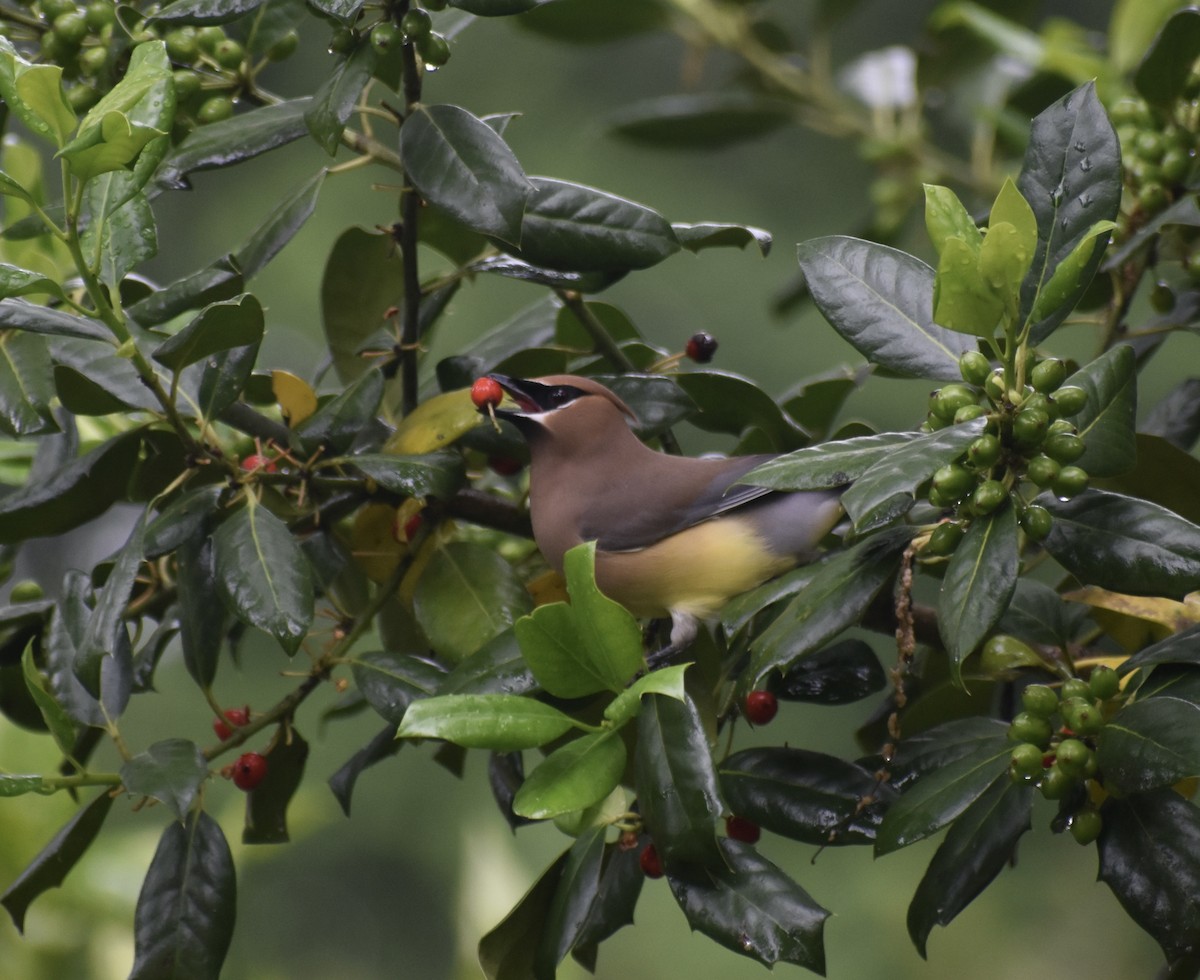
(263, 574)
(501, 722)
(924, 752)
(218, 327)
(170, 771)
(677, 789)
(336, 424)
(219, 281)
(106, 635)
(56, 859)
(234, 140)
(1165, 475)
(815, 402)
(1037, 614)
(1185, 211)
(752, 907)
(438, 474)
(80, 393)
(508, 952)
(695, 237)
(392, 681)
(18, 314)
(881, 301)
(978, 584)
(701, 120)
(25, 384)
(363, 278)
(839, 674)
(658, 402)
(330, 107)
(937, 797)
(1071, 178)
(495, 668)
(204, 11)
(807, 796)
(841, 588)
(620, 886)
(573, 898)
(128, 233)
(980, 844)
(513, 268)
(224, 378)
(186, 517)
(1106, 423)
(1180, 648)
(1124, 544)
(1150, 858)
(279, 227)
(1161, 77)
(573, 777)
(898, 473)
(267, 803)
(831, 464)
(1176, 417)
(729, 403)
(1150, 743)
(343, 10)
(342, 782)
(467, 595)
(58, 722)
(150, 652)
(188, 904)
(93, 379)
(575, 228)
(15, 281)
(464, 167)
(67, 627)
(202, 616)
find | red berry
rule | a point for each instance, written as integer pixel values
(701, 347)
(760, 707)
(743, 829)
(249, 770)
(485, 392)
(651, 863)
(256, 461)
(235, 717)
(505, 465)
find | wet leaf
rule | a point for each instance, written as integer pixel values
(573, 777)
(1150, 743)
(392, 681)
(362, 280)
(500, 722)
(1107, 421)
(267, 803)
(437, 474)
(574, 896)
(831, 464)
(170, 771)
(327, 112)
(701, 120)
(218, 327)
(839, 674)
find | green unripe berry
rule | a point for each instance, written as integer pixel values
(1104, 682)
(53, 9)
(182, 45)
(944, 538)
(974, 367)
(940, 500)
(341, 41)
(1086, 826)
(415, 24)
(1149, 145)
(1029, 427)
(82, 97)
(988, 496)
(1070, 400)
(1062, 425)
(1048, 375)
(1162, 298)
(1002, 653)
(950, 398)
(933, 422)
(52, 47)
(1072, 756)
(994, 386)
(969, 412)
(229, 53)
(92, 61)
(100, 14)
(26, 590)
(1026, 763)
(284, 48)
(1152, 197)
(1070, 482)
(984, 451)
(1037, 522)
(209, 37)
(214, 109)
(71, 28)
(1028, 727)
(1063, 447)
(1175, 165)
(1040, 700)
(953, 481)
(1081, 716)
(1042, 470)
(1055, 783)
(1075, 687)
(385, 36)
(434, 50)
(1041, 402)
(187, 84)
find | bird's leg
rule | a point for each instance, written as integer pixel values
(684, 628)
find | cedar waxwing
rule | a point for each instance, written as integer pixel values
(675, 536)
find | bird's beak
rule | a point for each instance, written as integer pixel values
(528, 395)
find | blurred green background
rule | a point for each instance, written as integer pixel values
(427, 865)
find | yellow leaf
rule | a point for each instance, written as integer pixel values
(295, 397)
(547, 587)
(434, 424)
(1165, 616)
(373, 541)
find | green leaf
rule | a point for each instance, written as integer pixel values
(1150, 743)
(1107, 421)
(338, 422)
(218, 327)
(495, 668)
(61, 725)
(839, 674)
(438, 474)
(17, 314)
(15, 784)
(831, 464)
(1163, 74)
(97, 380)
(946, 218)
(611, 636)
(342, 782)
(842, 586)
(128, 236)
(1132, 28)
(1061, 291)
(978, 584)
(219, 281)
(667, 681)
(463, 166)
(573, 898)
(234, 140)
(467, 595)
(35, 95)
(677, 789)
(8, 186)
(1150, 858)
(202, 616)
(1180, 648)
(280, 227)
(928, 751)
(188, 904)
(363, 278)
(392, 681)
(267, 803)
(264, 575)
(881, 302)
(1124, 544)
(204, 11)
(710, 234)
(939, 796)
(26, 389)
(223, 379)
(1012, 209)
(170, 771)
(575, 228)
(15, 281)
(620, 886)
(496, 8)
(343, 10)
(803, 795)
(500, 722)
(730, 403)
(963, 300)
(899, 472)
(701, 120)
(326, 115)
(1071, 178)
(509, 950)
(980, 844)
(573, 777)
(55, 861)
(750, 906)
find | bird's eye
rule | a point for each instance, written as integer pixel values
(562, 395)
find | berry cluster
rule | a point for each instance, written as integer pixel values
(415, 28)
(1029, 438)
(1055, 750)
